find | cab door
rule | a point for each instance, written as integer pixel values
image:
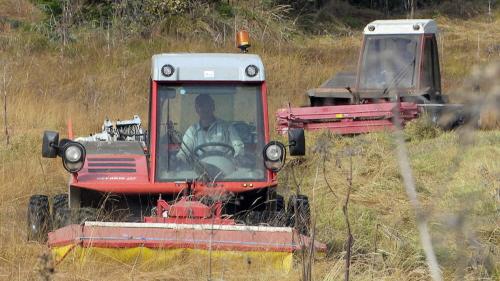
(430, 77)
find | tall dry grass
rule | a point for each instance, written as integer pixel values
(101, 75)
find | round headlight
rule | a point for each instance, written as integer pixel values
(73, 156)
(252, 70)
(73, 167)
(167, 70)
(73, 153)
(371, 28)
(274, 152)
(274, 156)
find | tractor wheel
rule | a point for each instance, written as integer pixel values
(277, 217)
(82, 215)
(89, 214)
(62, 215)
(299, 213)
(252, 218)
(38, 218)
(60, 211)
(268, 218)
(280, 203)
(274, 201)
(273, 215)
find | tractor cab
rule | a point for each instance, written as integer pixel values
(210, 118)
(398, 58)
(397, 79)
(401, 55)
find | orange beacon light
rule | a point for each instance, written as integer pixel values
(242, 40)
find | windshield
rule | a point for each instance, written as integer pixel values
(210, 132)
(389, 62)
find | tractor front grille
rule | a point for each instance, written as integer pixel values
(111, 165)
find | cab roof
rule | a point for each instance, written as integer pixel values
(207, 67)
(413, 26)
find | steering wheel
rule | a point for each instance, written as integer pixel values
(228, 150)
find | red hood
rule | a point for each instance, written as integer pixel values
(116, 162)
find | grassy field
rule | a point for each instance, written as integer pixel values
(99, 75)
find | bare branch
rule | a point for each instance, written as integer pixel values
(345, 210)
(326, 180)
(409, 183)
(5, 84)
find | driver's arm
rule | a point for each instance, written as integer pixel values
(187, 145)
(236, 142)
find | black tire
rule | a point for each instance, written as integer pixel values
(77, 216)
(299, 213)
(280, 203)
(60, 211)
(278, 218)
(275, 202)
(253, 218)
(67, 216)
(82, 215)
(38, 221)
(266, 218)
(274, 213)
(62, 215)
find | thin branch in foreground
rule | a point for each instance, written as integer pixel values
(308, 253)
(323, 148)
(409, 183)
(345, 210)
(326, 180)
(4, 90)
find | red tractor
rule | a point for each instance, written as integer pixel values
(203, 175)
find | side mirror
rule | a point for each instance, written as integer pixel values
(50, 143)
(297, 142)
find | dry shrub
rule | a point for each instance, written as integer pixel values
(44, 267)
(420, 129)
(462, 9)
(481, 95)
(19, 10)
(339, 18)
(462, 45)
(489, 115)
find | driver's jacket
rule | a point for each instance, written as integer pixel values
(219, 131)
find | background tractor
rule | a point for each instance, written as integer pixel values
(398, 78)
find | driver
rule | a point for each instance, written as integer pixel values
(392, 65)
(209, 129)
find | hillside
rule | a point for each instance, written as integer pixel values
(103, 72)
